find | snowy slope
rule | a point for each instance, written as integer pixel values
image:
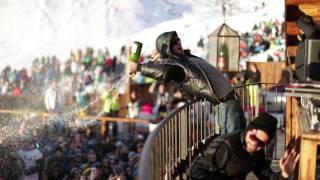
(35, 28)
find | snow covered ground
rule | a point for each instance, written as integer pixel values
(35, 28)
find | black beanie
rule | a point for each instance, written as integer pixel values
(266, 123)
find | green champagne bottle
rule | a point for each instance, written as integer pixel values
(135, 51)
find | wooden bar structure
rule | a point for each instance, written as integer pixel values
(294, 10)
(299, 133)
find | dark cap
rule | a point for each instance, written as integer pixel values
(266, 123)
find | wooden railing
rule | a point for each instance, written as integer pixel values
(46, 117)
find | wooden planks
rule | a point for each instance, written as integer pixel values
(297, 2)
(311, 9)
(270, 71)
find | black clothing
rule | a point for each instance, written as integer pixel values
(191, 74)
(196, 79)
(252, 77)
(230, 161)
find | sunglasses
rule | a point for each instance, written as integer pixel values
(254, 137)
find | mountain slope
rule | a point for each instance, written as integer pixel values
(31, 29)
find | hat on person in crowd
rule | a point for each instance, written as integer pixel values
(75, 171)
(96, 165)
(118, 169)
(266, 123)
(113, 160)
(131, 155)
(71, 157)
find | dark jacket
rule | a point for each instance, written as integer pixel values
(230, 160)
(193, 75)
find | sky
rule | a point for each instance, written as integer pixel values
(36, 28)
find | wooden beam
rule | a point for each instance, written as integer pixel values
(291, 119)
(292, 28)
(308, 157)
(292, 50)
(297, 2)
(100, 118)
(316, 19)
(311, 9)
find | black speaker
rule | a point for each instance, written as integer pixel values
(312, 60)
(308, 60)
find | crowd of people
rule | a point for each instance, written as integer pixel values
(67, 147)
(70, 152)
(266, 35)
(86, 71)
(58, 151)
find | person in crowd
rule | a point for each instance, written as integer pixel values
(87, 58)
(56, 164)
(133, 110)
(100, 57)
(54, 98)
(114, 64)
(82, 97)
(177, 100)
(92, 159)
(32, 158)
(111, 106)
(108, 65)
(133, 105)
(106, 168)
(233, 156)
(50, 97)
(253, 75)
(161, 99)
(5, 88)
(11, 166)
(195, 77)
(77, 142)
(16, 90)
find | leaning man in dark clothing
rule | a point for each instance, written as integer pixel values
(234, 155)
(195, 77)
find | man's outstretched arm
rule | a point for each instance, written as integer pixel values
(159, 71)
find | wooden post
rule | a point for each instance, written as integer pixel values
(290, 119)
(308, 155)
(104, 129)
